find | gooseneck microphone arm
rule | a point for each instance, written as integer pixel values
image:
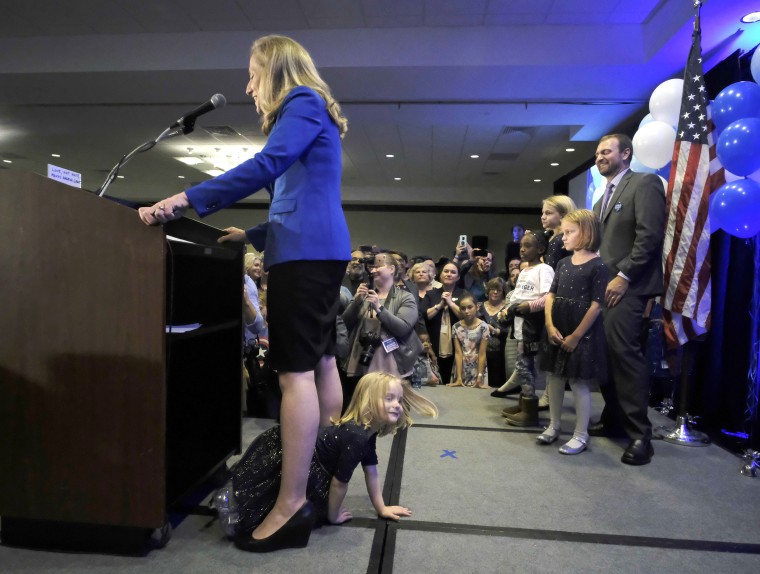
(183, 126)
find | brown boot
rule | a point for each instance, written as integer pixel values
(509, 411)
(528, 416)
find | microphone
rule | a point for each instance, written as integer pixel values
(187, 122)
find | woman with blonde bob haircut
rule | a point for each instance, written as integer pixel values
(306, 247)
(420, 275)
(381, 405)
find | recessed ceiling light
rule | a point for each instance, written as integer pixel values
(570, 149)
(189, 160)
(474, 156)
(181, 177)
(397, 179)
(555, 164)
(751, 18)
(7, 161)
(389, 155)
(537, 180)
(55, 155)
(213, 172)
(120, 176)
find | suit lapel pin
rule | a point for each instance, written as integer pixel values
(618, 206)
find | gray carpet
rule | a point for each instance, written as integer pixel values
(487, 498)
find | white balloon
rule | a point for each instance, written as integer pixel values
(653, 144)
(665, 103)
(646, 119)
(639, 167)
(754, 66)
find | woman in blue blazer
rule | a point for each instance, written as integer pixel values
(306, 246)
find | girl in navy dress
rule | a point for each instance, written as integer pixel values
(381, 405)
(576, 348)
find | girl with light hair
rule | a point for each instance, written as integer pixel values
(381, 405)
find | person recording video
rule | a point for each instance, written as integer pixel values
(381, 321)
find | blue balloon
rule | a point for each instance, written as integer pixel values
(738, 146)
(715, 222)
(736, 205)
(735, 102)
(664, 171)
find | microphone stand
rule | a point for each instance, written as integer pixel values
(170, 132)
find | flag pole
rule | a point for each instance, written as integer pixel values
(682, 433)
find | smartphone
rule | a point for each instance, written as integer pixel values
(462, 240)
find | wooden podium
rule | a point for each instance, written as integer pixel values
(106, 419)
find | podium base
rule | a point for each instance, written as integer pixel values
(86, 538)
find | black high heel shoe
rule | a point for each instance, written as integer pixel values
(293, 534)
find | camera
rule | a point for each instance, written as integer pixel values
(369, 341)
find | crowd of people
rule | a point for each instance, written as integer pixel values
(352, 333)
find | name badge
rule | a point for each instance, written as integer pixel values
(390, 344)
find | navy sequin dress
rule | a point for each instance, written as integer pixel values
(575, 287)
(555, 251)
(256, 476)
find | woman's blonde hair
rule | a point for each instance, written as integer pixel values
(589, 227)
(250, 258)
(422, 266)
(285, 65)
(562, 203)
(366, 404)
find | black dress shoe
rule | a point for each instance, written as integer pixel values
(293, 534)
(638, 452)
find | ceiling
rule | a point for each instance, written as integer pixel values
(432, 82)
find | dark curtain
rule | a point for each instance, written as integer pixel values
(722, 362)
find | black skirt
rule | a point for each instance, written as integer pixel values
(302, 305)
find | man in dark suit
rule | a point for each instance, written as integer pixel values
(632, 212)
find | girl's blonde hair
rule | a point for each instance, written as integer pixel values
(286, 65)
(562, 203)
(366, 404)
(589, 227)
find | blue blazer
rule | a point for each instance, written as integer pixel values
(300, 166)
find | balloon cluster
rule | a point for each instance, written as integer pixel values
(654, 140)
(735, 206)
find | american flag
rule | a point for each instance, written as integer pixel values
(695, 174)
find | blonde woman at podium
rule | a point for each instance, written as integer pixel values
(306, 246)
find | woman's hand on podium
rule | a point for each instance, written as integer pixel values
(233, 234)
(165, 210)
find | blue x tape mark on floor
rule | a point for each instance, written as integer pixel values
(451, 453)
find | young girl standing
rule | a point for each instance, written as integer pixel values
(576, 351)
(527, 305)
(470, 344)
(381, 405)
(553, 209)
